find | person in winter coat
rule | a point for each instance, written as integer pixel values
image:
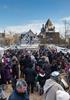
(20, 93)
(51, 87)
(15, 69)
(54, 66)
(21, 61)
(47, 69)
(30, 75)
(26, 62)
(6, 74)
(15, 73)
(41, 79)
(0, 73)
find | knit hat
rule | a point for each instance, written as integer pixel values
(20, 83)
(55, 74)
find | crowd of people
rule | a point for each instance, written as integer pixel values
(35, 67)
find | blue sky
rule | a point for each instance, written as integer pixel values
(19, 12)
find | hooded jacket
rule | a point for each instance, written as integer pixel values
(50, 89)
(17, 96)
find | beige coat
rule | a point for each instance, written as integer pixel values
(50, 89)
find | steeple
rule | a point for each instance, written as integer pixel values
(49, 26)
(48, 23)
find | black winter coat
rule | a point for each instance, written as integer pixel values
(30, 75)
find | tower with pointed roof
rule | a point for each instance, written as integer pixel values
(49, 26)
(48, 33)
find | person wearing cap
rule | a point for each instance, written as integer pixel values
(51, 87)
(20, 93)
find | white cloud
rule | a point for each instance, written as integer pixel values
(59, 27)
(66, 18)
(1, 30)
(35, 26)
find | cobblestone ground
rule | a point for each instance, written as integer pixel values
(34, 96)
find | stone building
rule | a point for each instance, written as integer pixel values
(29, 38)
(48, 33)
